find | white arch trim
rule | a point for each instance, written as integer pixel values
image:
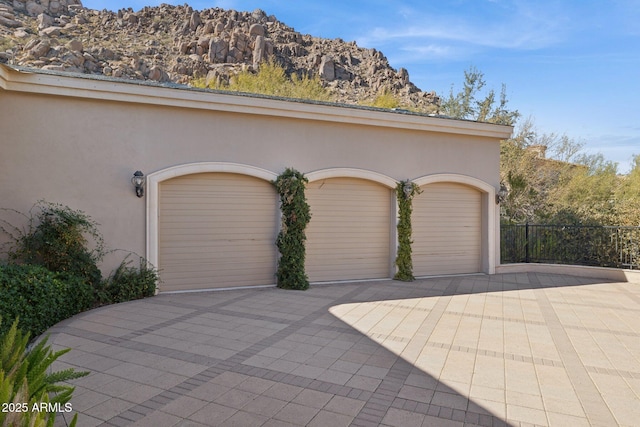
(459, 179)
(203, 167)
(155, 178)
(351, 173)
(490, 219)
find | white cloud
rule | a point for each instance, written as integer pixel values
(512, 25)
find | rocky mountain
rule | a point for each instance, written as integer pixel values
(177, 44)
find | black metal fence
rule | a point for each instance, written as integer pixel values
(569, 244)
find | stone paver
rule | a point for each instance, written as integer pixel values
(503, 350)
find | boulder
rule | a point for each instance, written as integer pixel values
(209, 28)
(130, 18)
(218, 28)
(8, 22)
(75, 45)
(194, 21)
(33, 8)
(40, 49)
(183, 47)
(259, 15)
(403, 76)
(45, 21)
(55, 7)
(157, 74)
(257, 30)
(212, 79)
(218, 50)
(327, 68)
(258, 51)
(239, 41)
(50, 31)
(75, 59)
(235, 55)
(20, 33)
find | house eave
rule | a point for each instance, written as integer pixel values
(37, 81)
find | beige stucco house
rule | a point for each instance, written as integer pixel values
(209, 216)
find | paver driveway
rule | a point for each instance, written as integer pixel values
(510, 349)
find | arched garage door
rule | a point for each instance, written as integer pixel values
(447, 230)
(348, 236)
(216, 230)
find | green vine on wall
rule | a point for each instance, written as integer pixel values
(290, 185)
(405, 191)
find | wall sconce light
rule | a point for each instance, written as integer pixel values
(407, 188)
(138, 182)
(502, 194)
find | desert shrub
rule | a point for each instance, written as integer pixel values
(385, 99)
(127, 283)
(272, 79)
(26, 380)
(41, 298)
(56, 237)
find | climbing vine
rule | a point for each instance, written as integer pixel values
(405, 191)
(291, 239)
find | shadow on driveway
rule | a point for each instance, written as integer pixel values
(511, 349)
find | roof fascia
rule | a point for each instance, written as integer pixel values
(133, 92)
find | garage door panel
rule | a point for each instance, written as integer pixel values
(211, 254)
(215, 235)
(447, 230)
(374, 210)
(348, 233)
(219, 269)
(325, 255)
(348, 237)
(217, 230)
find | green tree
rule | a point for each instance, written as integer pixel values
(586, 194)
(627, 197)
(472, 104)
(539, 170)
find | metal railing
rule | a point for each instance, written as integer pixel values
(570, 244)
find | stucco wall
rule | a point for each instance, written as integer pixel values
(83, 152)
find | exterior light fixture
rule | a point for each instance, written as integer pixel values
(407, 189)
(501, 195)
(138, 182)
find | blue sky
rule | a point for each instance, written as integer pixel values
(572, 65)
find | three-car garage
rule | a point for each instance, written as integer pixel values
(207, 215)
(218, 230)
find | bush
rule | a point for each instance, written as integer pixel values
(41, 298)
(386, 99)
(56, 238)
(291, 274)
(272, 79)
(26, 380)
(404, 262)
(128, 283)
(54, 272)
